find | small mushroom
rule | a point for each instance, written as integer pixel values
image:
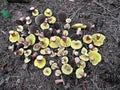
(44, 42)
(19, 52)
(66, 69)
(44, 26)
(14, 36)
(28, 20)
(81, 64)
(76, 44)
(84, 57)
(36, 46)
(26, 60)
(62, 16)
(65, 33)
(92, 48)
(47, 71)
(48, 12)
(58, 72)
(19, 28)
(80, 73)
(87, 39)
(51, 62)
(54, 42)
(98, 39)
(54, 66)
(65, 41)
(35, 12)
(84, 51)
(39, 19)
(78, 25)
(40, 62)
(27, 52)
(64, 60)
(76, 53)
(68, 20)
(31, 38)
(52, 20)
(67, 26)
(45, 51)
(94, 57)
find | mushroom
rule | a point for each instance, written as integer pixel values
(66, 69)
(67, 26)
(26, 60)
(54, 66)
(65, 41)
(28, 20)
(68, 20)
(35, 12)
(92, 48)
(98, 39)
(52, 20)
(44, 26)
(80, 73)
(54, 42)
(19, 52)
(48, 12)
(39, 19)
(76, 53)
(78, 25)
(62, 16)
(44, 42)
(64, 60)
(27, 52)
(84, 57)
(58, 72)
(19, 28)
(36, 46)
(76, 44)
(87, 39)
(14, 36)
(84, 51)
(81, 64)
(65, 33)
(51, 62)
(31, 38)
(94, 57)
(40, 62)
(47, 71)
(45, 51)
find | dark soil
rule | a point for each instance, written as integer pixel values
(105, 14)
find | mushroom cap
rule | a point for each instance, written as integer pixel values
(27, 52)
(78, 25)
(87, 39)
(35, 12)
(47, 71)
(20, 51)
(36, 46)
(26, 60)
(44, 26)
(54, 42)
(64, 60)
(81, 64)
(52, 20)
(44, 42)
(76, 44)
(66, 42)
(98, 39)
(31, 38)
(48, 12)
(94, 57)
(58, 72)
(68, 20)
(14, 36)
(84, 51)
(19, 28)
(65, 33)
(45, 51)
(40, 63)
(39, 19)
(79, 73)
(84, 57)
(54, 66)
(66, 69)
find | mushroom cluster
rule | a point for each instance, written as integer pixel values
(47, 41)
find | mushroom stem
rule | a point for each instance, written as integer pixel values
(58, 81)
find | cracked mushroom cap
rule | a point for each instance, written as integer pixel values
(87, 39)
(47, 71)
(48, 12)
(78, 25)
(44, 26)
(40, 62)
(76, 44)
(35, 12)
(54, 42)
(94, 57)
(44, 42)
(66, 69)
(98, 39)
(31, 38)
(65, 41)
(52, 20)
(14, 36)
(79, 73)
